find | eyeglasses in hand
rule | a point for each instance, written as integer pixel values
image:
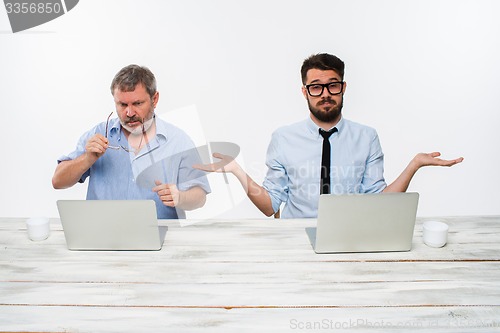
(121, 147)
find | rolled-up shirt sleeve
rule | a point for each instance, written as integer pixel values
(79, 150)
(373, 178)
(276, 181)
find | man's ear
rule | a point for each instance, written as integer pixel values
(156, 97)
(304, 92)
(344, 86)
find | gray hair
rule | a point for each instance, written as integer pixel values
(132, 75)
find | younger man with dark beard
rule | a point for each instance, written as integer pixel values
(295, 156)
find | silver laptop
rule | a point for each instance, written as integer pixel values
(110, 224)
(364, 223)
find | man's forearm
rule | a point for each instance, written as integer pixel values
(256, 193)
(68, 173)
(193, 198)
(402, 183)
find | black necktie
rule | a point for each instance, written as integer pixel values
(325, 160)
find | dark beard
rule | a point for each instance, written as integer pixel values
(330, 114)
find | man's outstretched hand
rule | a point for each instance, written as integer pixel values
(431, 159)
(226, 164)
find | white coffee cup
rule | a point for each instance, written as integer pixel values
(38, 228)
(435, 233)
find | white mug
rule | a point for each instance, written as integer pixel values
(435, 233)
(38, 228)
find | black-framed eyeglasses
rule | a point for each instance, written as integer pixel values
(122, 147)
(316, 89)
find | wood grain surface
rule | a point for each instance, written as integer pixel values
(251, 276)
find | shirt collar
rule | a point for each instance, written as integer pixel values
(314, 129)
(114, 126)
(161, 129)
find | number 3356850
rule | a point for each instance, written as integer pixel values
(33, 8)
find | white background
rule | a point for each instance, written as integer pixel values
(425, 74)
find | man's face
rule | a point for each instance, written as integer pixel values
(325, 107)
(134, 107)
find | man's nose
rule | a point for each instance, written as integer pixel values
(130, 111)
(325, 93)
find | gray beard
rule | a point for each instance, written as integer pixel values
(138, 130)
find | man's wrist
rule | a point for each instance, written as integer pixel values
(415, 164)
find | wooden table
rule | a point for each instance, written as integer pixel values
(251, 276)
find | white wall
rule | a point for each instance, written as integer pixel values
(424, 73)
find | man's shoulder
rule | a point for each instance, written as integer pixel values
(99, 128)
(173, 136)
(353, 126)
(169, 130)
(292, 128)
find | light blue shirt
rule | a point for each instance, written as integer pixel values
(119, 175)
(294, 164)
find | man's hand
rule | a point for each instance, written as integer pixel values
(431, 159)
(226, 164)
(69, 172)
(420, 160)
(168, 193)
(96, 146)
